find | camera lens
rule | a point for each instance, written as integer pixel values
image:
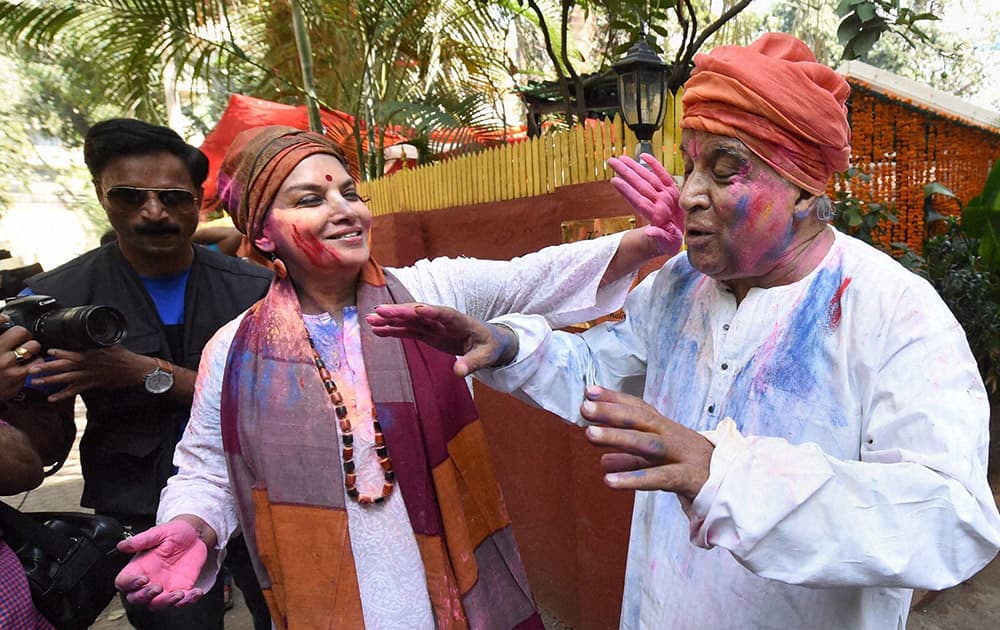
(81, 327)
(105, 326)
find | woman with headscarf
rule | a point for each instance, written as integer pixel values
(811, 440)
(308, 432)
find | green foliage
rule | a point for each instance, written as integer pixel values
(952, 259)
(981, 220)
(952, 263)
(865, 219)
(365, 52)
(33, 116)
(948, 62)
(865, 21)
(630, 17)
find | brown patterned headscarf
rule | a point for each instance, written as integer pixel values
(256, 164)
(774, 97)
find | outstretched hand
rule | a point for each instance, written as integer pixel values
(168, 560)
(651, 452)
(477, 343)
(654, 196)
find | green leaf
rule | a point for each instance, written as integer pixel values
(866, 12)
(844, 7)
(935, 188)
(659, 30)
(933, 216)
(864, 41)
(848, 29)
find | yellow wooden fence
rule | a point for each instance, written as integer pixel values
(527, 169)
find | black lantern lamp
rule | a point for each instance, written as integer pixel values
(642, 86)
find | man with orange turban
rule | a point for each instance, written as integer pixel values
(810, 441)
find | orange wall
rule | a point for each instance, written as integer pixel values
(572, 530)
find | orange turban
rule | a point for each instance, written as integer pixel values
(774, 97)
(256, 164)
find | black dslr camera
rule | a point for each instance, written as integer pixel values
(75, 328)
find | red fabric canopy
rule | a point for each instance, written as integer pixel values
(244, 112)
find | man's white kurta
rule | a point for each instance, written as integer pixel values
(851, 432)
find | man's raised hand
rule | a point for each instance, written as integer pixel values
(654, 196)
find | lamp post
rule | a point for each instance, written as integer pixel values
(642, 85)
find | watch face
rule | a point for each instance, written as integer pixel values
(159, 381)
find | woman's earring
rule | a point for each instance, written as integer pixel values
(279, 266)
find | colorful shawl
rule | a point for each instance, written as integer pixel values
(283, 453)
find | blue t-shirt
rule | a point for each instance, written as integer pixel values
(168, 295)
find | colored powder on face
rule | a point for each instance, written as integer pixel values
(692, 147)
(329, 178)
(312, 247)
(755, 209)
(742, 210)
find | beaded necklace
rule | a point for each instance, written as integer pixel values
(347, 436)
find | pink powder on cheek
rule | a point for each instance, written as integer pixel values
(758, 214)
(767, 194)
(312, 247)
(692, 148)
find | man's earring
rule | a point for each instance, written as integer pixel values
(824, 209)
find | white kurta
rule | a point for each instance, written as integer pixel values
(559, 282)
(863, 470)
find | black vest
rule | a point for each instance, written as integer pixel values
(127, 448)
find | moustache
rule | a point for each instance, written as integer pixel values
(153, 229)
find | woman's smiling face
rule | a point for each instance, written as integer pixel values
(740, 214)
(317, 220)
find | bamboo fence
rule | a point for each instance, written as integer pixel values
(534, 167)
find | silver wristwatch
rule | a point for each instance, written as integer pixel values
(159, 380)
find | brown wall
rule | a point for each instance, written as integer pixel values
(572, 530)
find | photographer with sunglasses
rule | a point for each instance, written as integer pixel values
(174, 296)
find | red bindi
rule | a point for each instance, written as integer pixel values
(329, 178)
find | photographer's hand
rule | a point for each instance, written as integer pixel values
(18, 351)
(108, 368)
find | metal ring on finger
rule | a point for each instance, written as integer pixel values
(21, 355)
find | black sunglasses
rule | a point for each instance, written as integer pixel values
(130, 197)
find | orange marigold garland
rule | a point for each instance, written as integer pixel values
(903, 147)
